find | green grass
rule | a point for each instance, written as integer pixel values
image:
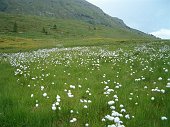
(31, 27)
(67, 33)
(21, 44)
(77, 66)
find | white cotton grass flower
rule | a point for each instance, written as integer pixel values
(33, 78)
(72, 86)
(70, 95)
(114, 113)
(103, 119)
(110, 90)
(117, 87)
(81, 100)
(71, 111)
(112, 107)
(44, 94)
(160, 78)
(154, 83)
(117, 120)
(54, 108)
(166, 70)
(164, 118)
(73, 120)
(121, 106)
(168, 85)
(58, 99)
(85, 106)
(145, 87)
(85, 100)
(86, 125)
(111, 102)
(36, 105)
(152, 98)
(127, 116)
(107, 87)
(89, 101)
(32, 95)
(112, 125)
(87, 91)
(42, 88)
(130, 98)
(57, 103)
(123, 110)
(105, 82)
(110, 118)
(115, 96)
(117, 99)
(162, 91)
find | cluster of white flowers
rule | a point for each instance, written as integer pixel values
(56, 103)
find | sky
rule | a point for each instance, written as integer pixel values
(149, 16)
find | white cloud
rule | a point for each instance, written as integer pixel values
(162, 33)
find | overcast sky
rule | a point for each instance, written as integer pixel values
(149, 16)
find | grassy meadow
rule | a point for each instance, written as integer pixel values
(91, 82)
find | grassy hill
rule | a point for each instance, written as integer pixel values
(66, 9)
(33, 26)
(79, 10)
(63, 22)
(30, 34)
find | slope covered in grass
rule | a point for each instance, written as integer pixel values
(41, 32)
(59, 28)
(66, 9)
(62, 18)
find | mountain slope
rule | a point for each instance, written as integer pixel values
(45, 13)
(72, 9)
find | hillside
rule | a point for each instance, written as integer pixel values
(66, 9)
(59, 20)
(34, 25)
(79, 10)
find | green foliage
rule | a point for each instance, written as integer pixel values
(55, 27)
(44, 31)
(15, 28)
